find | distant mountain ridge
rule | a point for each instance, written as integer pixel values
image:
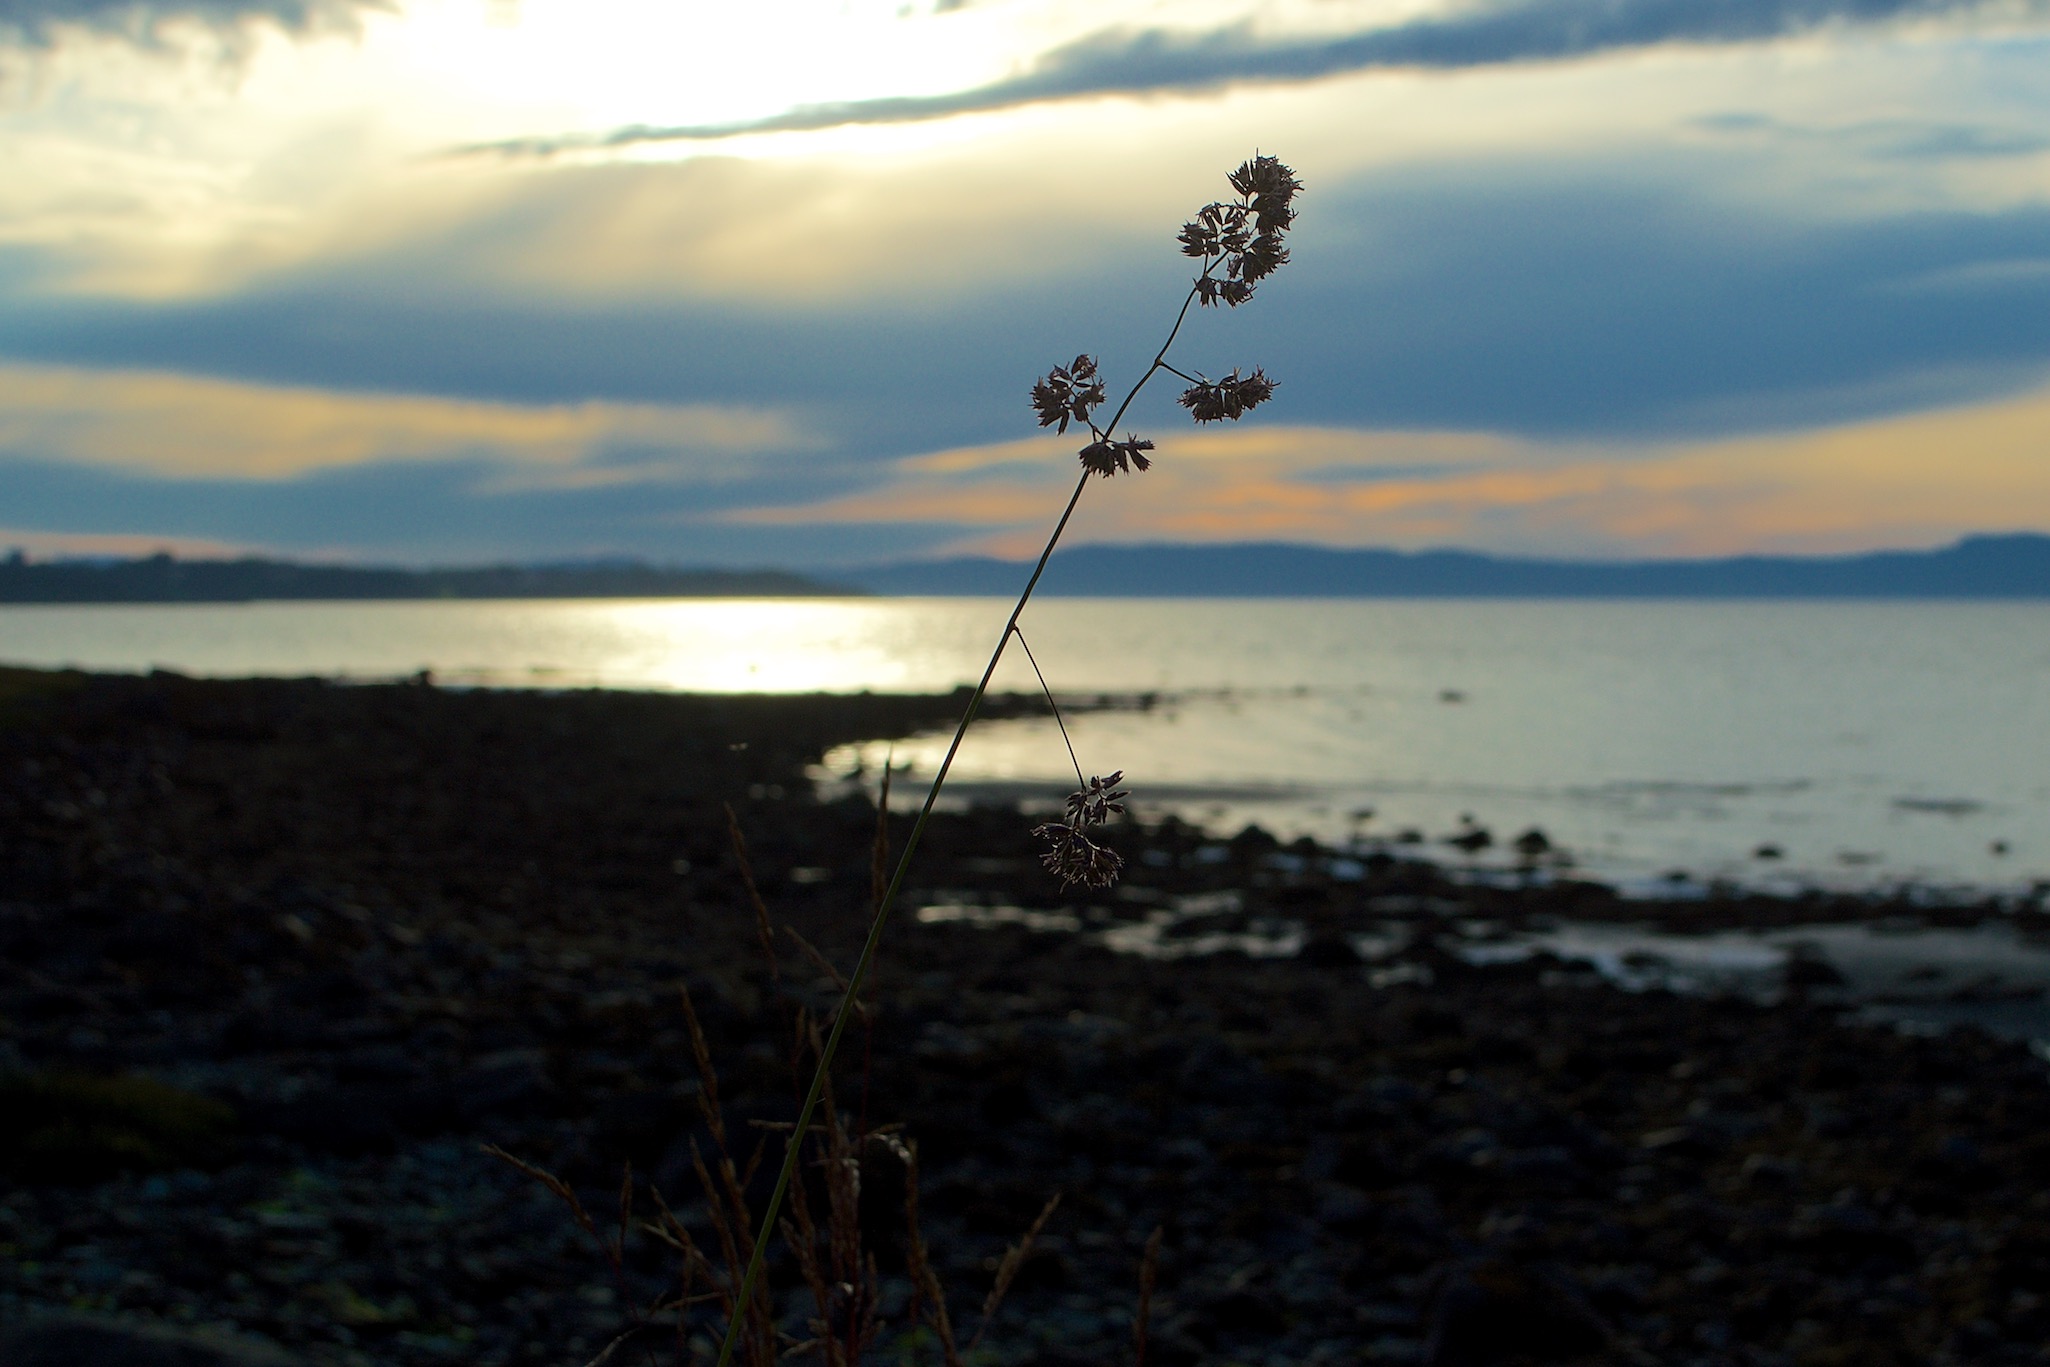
(2005, 566)
(164, 579)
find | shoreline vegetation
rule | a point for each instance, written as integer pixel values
(1995, 567)
(278, 956)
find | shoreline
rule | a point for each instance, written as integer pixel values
(1624, 736)
(383, 924)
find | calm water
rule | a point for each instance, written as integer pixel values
(1871, 743)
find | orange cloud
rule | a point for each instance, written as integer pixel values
(182, 426)
(1920, 479)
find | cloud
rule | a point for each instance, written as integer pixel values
(1524, 299)
(42, 23)
(1149, 61)
(1230, 483)
(1891, 139)
(2020, 272)
(760, 232)
(1916, 480)
(446, 511)
(1923, 479)
(183, 427)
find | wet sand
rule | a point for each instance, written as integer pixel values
(348, 934)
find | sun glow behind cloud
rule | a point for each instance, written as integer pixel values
(337, 150)
(606, 63)
(182, 168)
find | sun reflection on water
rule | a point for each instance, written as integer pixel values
(1864, 744)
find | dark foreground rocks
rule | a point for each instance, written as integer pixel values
(276, 958)
(58, 1339)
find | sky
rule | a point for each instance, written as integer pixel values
(768, 283)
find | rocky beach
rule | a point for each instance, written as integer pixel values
(277, 958)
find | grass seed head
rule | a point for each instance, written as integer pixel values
(1071, 856)
(1068, 394)
(1240, 244)
(1230, 398)
(1106, 457)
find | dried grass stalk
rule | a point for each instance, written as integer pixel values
(919, 1263)
(553, 1183)
(1007, 1270)
(1149, 1266)
(754, 893)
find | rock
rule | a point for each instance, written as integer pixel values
(506, 1082)
(1808, 970)
(1344, 1208)
(1328, 951)
(1769, 1171)
(1471, 836)
(348, 1119)
(1172, 1346)
(1212, 1068)
(1494, 1311)
(78, 1128)
(1548, 1165)
(69, 1340)
(1241, 1312)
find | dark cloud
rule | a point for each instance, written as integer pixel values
(1602, 309)
(447, 512)
(1149, 61)
(40, 23)
(1496, 297)
(1505, 299)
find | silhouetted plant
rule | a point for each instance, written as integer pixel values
(833, 1259)
(1239, 242)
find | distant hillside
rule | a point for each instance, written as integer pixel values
(163, 579)
(2016, 566)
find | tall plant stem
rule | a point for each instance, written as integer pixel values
(767, 1225)
(1052, 704)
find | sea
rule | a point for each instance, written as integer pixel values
(1661, 746)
